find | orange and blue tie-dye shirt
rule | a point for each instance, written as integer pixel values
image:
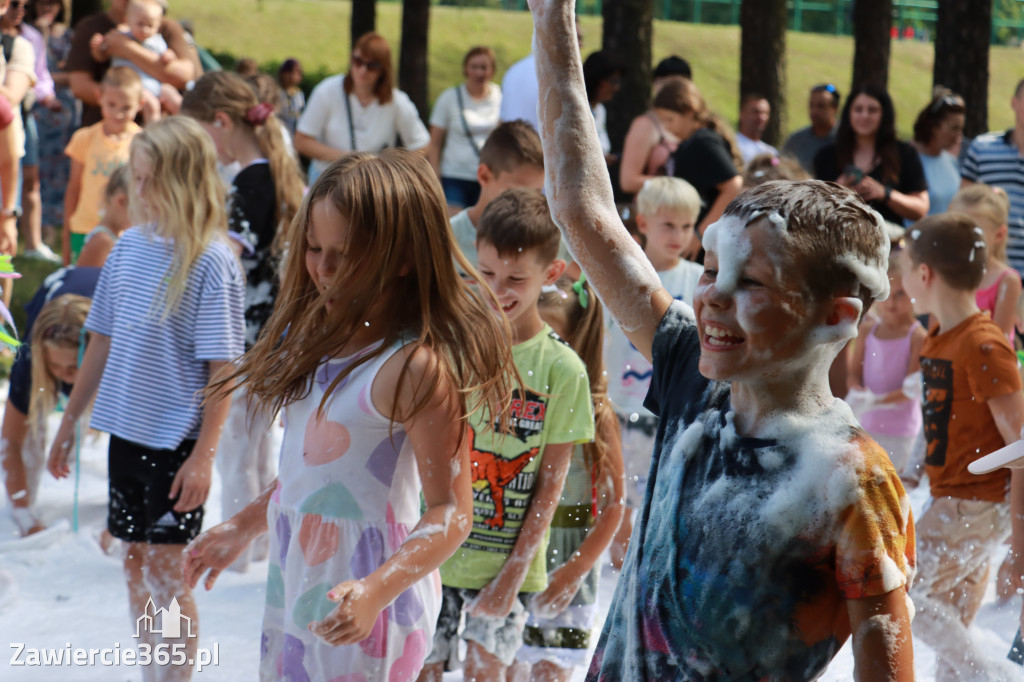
(747, 549)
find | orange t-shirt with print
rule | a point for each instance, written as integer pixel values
(963, 369)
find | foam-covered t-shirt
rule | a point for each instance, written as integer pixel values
(629, 372)
(253, 220)
(746, 549)
(963, 369)
(556, 409)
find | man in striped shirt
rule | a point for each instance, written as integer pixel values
(995, 159)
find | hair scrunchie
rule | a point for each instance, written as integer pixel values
(259, 114)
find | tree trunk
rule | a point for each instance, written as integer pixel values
(83, 8)
(364, 18)
(872, 22)
(628, 33)
(962, 33)
(763, 59)
(412, 69)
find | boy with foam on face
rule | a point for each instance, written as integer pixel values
(772, 526)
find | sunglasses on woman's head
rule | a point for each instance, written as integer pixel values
(946, 101)
(371, 64)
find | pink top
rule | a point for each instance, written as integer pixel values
(661, 154)
(986, 298)
(885, 368)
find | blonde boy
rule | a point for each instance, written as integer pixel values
(667, 210)
(96, 152)
(772, 526)
(517, 476)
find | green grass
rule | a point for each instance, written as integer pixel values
(316, 31)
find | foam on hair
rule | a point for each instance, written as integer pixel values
(953, 246)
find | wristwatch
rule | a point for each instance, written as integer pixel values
(888, 193)
(14, 212)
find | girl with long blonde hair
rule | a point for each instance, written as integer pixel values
(42, 375)
(263, 199)
(378, 351)
(166, 316)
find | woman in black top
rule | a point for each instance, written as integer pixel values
(867, 157)
(707, 156)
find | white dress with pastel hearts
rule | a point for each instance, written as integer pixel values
(347, 497)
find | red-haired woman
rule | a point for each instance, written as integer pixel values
(358, 111)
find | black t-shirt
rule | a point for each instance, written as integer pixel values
(704, 161)
(81, 281)
(826, 167)
(253, 217)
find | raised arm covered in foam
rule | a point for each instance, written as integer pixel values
(577, 183)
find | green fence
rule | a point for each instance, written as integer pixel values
(911, 18)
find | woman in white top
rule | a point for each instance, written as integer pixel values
(358, 111)
(938, 129)
(462, 119)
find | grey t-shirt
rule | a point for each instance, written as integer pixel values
(804, 144)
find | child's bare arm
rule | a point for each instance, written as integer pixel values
(94, 253)
(496, 598)
(191, 485)
(883, 650)
(86, 384)
(71, 195)
(578, 188)
(1008, 414)
(565, 581)
(1008, 296)
(218, 547)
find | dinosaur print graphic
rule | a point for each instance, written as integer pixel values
(498, 472)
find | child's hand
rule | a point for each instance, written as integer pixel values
(489, 603)
(352, 620)
(215, 550)
(168, 57)
(191, 484)
(96, 48)
(563, 584)
(60, 451)
(1009, 579)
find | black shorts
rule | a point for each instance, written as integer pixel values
(140, 481)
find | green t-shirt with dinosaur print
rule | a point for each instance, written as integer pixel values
(556, 409)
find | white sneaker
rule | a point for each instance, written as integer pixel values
(44, 252)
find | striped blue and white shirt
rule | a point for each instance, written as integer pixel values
(149, 393)
(993, 159)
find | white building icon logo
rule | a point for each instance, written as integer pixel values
(164, 622)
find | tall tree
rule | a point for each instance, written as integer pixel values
(763, 58)
(872, 22)
(364, 18)
(962, 33)
(628, 34)
(412, 67)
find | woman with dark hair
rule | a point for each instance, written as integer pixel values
(602, 77)
(867, 157)
(707, 157)
(358, 111)
(938, 128)
(463, 117)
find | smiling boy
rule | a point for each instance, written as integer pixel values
(517, 476)
(772, 526)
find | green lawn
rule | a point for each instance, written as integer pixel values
(316, 31)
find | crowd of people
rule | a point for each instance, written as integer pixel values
(522, 373)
